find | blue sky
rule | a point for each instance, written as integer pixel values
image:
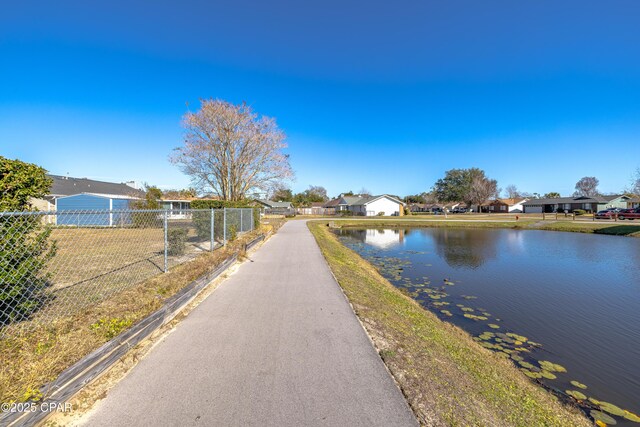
(382, 95)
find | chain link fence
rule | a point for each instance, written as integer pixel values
(53, 264)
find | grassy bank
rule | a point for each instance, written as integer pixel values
(448, 379)
(615, 228)
(32, 355)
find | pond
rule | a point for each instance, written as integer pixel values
(568, 300)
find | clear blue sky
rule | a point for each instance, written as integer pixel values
(376, 94)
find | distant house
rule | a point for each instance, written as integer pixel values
(64, 186)
(316, 208)
(569, 204)
(633, 202)
(507, 205)
(371, 205)
(80, 209)
(272, 207)
(418, 207)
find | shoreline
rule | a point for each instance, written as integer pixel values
(447, 378)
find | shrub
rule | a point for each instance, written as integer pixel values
(346, 213)
(381, 213)
(233, 233)
(177, 239)
(24, 241)
(579, 211)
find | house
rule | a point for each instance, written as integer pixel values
(569, 204)
(633, 202)
(419, 207)
(316, 208)
(80, 209)
(371, 205)
(64, 186)
(507, 205)
(271, 207)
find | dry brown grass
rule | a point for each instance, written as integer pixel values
(33, 356)
(448, 379)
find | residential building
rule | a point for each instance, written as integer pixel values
(569, 204)
(370, 205)
(507, 205)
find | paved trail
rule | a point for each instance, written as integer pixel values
(276, 344)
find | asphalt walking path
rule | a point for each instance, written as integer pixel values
(277, 344)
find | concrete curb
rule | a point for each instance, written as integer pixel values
(74, 378)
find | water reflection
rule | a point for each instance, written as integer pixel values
(382, 239)
(466, 248)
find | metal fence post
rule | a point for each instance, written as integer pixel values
(213, 242)
(224, 226)
(166, 241)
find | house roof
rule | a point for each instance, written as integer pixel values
(272, 204)
(580, 199)
(68, 186)
(332, 203)
(361, 201)
(105, 196)
(510, 202)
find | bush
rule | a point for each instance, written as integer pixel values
(233, 233)
(381, 213)
(346, 213)
(579, 211)
(24, 241)
(177, 239)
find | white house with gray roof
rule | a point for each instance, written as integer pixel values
(372, 205)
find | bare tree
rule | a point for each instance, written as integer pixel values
(512, 192)
(635, 183)
(482, 189)
(364, 192)
(230, 150)
(587, 186)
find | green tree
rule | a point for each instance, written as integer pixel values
(24, 240)
(282, 194)
(552, 195)
(471, 186)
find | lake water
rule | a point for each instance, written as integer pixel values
(576, 295)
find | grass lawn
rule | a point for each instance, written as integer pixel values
(35, 352)
(448, 379)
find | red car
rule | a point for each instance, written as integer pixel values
(605, 214)
(630, 214)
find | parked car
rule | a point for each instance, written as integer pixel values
(605, 214)
(459, 210)
(630, 214)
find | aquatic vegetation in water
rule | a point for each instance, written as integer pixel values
(578, 385)
(631, 417)
(602, 417)
(517, 337)
(474, 317)
(493, 326)
(551, 367)
(576, 394)
(548, 375)
(446, 313)
(467, 309)
(612, 409)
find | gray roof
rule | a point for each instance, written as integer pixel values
(67, 186)
(272, 204)
(562, 200)
(358, 201)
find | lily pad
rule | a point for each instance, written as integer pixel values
(602, 417)
(467, 309)
(578, 385)
(631, 417)
(576, 394)
(551, 367)
(517, 337)
(548, 375)
(446, 313)
(493, 326)
(531, 374)
(612, 409)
